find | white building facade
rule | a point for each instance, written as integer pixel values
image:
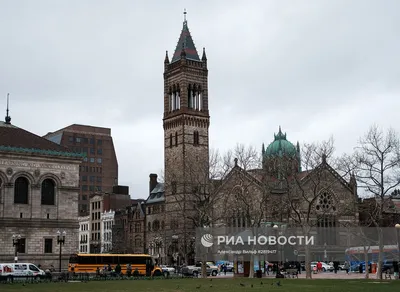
(107, 222)
(84, 234)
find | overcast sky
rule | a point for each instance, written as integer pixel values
(317, 68)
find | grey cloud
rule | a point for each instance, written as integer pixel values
(318, 68)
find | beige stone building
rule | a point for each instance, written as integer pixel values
(283, 195)
(39, 184)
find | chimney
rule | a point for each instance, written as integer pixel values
(153, 181)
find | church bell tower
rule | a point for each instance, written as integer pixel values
(186, 122)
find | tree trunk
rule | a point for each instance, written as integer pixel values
(380, 256)
(307, 262)
(366, 262)
(204, 266)
(251, 272)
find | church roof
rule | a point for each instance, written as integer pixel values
(280, 146)
(157, 194)
(14, 139)
(186, 44)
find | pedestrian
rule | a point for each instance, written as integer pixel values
(346, 267)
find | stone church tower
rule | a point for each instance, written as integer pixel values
(186, 138)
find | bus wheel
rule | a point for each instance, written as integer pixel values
(157, 273)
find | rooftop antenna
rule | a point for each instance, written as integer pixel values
(8, 118)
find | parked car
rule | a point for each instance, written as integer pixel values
(167, 269)
(196, 270)
(325, 267)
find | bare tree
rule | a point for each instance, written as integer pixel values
(308, 199)
(377, 170)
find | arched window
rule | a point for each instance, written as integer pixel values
(156, 225)
(149, 226)
(48, 193)
(21, 192)
(1, 184)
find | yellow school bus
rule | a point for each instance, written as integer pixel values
(81, 263)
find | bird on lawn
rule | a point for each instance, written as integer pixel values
(278, 283)
(241, 284)
(198, 287)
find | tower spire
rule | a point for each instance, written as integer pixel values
(184, 15)
(8, 118)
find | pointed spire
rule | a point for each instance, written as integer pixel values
(204, 57)
(166, 60)
(185, 43)
(263, 149)
(298, 146)
(8, 118)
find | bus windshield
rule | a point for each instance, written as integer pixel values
(73, 259)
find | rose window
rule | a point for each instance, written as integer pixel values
(325, 202)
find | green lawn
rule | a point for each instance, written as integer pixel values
(220, 285)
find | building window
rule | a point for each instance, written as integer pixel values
(91, 188)
(173, 185)
(85, 140)
(156, 225)
(92, 151)
(149, 226)
(99, 179)
(22, 246)
(99, 160)
(70, 139)
(48, 192)
(92, 160)
(84, 197)
(99, 151)
(91, 178)
(85, 159)
(98, 188)
(78, 140)
(48, 245)
(84, 178)
(195, 138)
(99, 142)
(84, 187)
(176, 138)
(137, 228)
(91, 140)
(21, 191)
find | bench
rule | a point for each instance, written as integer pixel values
(291, 273)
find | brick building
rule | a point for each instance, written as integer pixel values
(155, 220)
(99, 170)
(39, 184)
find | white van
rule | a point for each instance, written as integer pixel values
(21, 270)
(6, 272)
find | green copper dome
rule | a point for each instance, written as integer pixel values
(280, 146)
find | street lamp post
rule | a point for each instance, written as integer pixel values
(16, 242)
(276, 227)
(60, 241)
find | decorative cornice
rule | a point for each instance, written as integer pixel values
(43, 152)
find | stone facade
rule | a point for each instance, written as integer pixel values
(34, 221)
(186, 136)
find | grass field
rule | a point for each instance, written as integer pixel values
(220, 285)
